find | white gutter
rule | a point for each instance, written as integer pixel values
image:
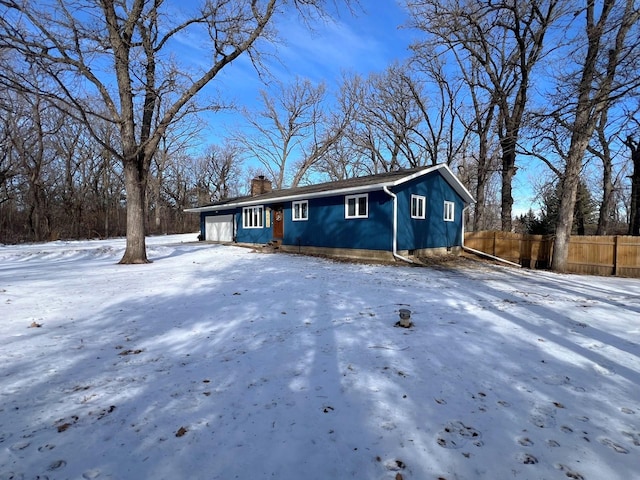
(483, 254)
(260, 200)
(463, 225)
(395, 225)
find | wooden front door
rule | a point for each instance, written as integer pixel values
(278, 223)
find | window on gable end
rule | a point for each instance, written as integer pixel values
(449, 211)
(418, 206)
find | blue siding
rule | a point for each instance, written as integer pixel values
(433, 231)
(328, 227)
(254, 235)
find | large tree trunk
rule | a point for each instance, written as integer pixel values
(634, 224)
(478, 217)
(607, 203)
(509, 132)
(634, 217)
(158, 210)
(135, 178)
(593, 98)
(508, 172)
(482, 174)
(606, 207)
(568, 194)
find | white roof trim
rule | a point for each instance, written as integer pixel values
(449, 176)
(300, 196)
(446, 172)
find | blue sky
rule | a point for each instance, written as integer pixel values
(367, 42)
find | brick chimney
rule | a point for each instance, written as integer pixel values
(260, 185)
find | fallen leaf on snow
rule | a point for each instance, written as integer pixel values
(63, 427)
(131, 352)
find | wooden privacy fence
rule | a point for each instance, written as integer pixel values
(592, 255)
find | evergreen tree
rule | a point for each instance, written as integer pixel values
(544, 223)
(531, 224)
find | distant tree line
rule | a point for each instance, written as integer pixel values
(58, 182)
(491, 89)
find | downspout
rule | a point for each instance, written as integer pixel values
(464, 210)
(483, 254)
(395, 225)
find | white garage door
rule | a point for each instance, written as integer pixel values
(219, 228)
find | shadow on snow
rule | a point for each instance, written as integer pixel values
(290, 367)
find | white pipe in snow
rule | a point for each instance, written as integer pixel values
(483, 254)
(493, 257)
(395, 225)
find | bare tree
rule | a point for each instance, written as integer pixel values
(176, 192)
(475, 150)
(172, 147)
(107, 182)
(481, 124)
(506, 41)
(383, 123)
(53, 174)
(282, 131)
(439, 99)
(341, 161)
(327, 134)
(607, 72)
(397, 122)
(72, 150)
(217, 174)
(392, 108)
(8, 169)
(73, 43)
(32, 124)
(362, 146)
(605, 147)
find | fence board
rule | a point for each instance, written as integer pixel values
(628, 256)
(592, 255)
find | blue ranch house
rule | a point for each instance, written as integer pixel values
(413, 212)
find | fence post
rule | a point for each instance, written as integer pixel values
(615, 255)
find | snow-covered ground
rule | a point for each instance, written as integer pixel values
(215, 362)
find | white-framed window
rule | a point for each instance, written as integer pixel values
(418, 206)
(449, 211)
(300, 211)
(253, 217)
(356, 206)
